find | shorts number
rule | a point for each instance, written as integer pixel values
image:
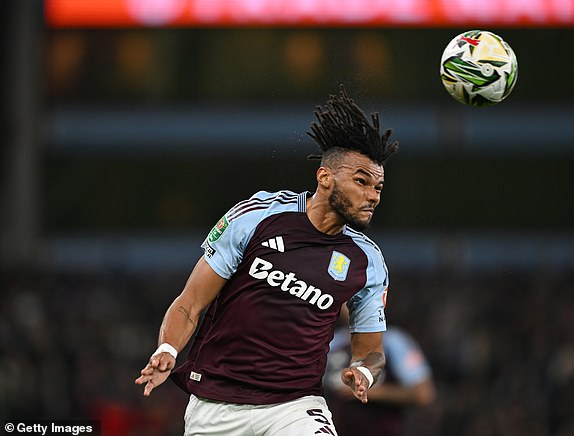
(321, 419)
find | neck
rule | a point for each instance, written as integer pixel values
(322, 215)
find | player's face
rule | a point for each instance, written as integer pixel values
(356, 191)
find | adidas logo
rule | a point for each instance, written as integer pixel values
(275, 243)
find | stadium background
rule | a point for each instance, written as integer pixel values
(122, 146)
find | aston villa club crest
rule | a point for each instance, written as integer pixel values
(339, 266)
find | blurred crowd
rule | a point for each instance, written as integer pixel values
(501, 348)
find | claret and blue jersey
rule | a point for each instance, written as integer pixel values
(265, 338)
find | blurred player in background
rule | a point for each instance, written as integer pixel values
(275, 272)
(406, 382)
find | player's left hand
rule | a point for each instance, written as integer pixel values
(358, 383)
(155, 372)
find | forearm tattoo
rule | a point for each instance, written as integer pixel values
(184, 311)
(374, 361)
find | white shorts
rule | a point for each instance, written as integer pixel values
(301, 417)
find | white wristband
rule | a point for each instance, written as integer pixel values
(166, 348)
(367, 373)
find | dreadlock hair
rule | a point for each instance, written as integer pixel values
(342, 126)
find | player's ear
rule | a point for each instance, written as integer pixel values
(324, 176)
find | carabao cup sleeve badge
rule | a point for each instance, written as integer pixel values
(339, 266)
(218, 229)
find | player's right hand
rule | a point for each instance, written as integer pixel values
(155, 372)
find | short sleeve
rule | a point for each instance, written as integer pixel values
(227, 241)
(224, 245)
(405, 358)
(367, 307)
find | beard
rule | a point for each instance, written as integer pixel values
(341, 204)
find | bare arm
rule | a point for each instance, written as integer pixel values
(182, 317)
(180, 322)
(367, 352)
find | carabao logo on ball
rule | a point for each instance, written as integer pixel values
(478, 68)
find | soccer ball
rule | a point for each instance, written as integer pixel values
(478, 68)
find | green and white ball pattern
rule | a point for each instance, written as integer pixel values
(478, 68)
